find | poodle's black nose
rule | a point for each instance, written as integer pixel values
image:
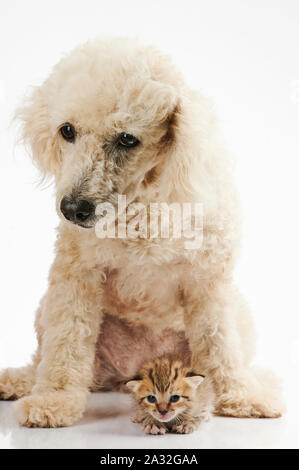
(77, 210)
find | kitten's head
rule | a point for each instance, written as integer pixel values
(165, 388)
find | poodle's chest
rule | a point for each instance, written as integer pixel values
(144, 297)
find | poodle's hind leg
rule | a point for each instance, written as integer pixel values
(17, 382)
(248, 396)
(218, 348)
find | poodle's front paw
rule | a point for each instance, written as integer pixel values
(184, 428)
(154, 429)
(50, 409)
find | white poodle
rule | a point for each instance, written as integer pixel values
(116, 118)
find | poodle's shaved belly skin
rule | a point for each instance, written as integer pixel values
(123, 347)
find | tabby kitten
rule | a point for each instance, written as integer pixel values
(169, 397)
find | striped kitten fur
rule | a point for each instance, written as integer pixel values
(169, 397)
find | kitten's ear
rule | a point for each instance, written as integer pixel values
(194, 380)
(133, 385)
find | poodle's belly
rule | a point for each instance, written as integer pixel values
(123, 347)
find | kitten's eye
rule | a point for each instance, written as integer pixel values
(174, 398)
(127, 140)
(68, 132)
(151, 399)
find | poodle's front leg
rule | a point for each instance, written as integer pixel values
(210, 314)
(70, 324)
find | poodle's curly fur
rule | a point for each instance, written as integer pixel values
(112, 304)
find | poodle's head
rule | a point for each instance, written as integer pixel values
(111, 119)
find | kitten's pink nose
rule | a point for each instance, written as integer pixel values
(162, 408)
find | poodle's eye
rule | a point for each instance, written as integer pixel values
(174, 398)
(127, 140)
(151, 399)
(68, 132)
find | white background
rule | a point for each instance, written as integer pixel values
(244, 55)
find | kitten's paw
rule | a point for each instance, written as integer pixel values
(134, 419)
(206, 416)
(185, 428)
(154, 429)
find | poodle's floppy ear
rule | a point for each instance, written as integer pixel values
(189, 145)
(36, 133)
(149, 103)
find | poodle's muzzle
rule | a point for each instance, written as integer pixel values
(77, 211)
